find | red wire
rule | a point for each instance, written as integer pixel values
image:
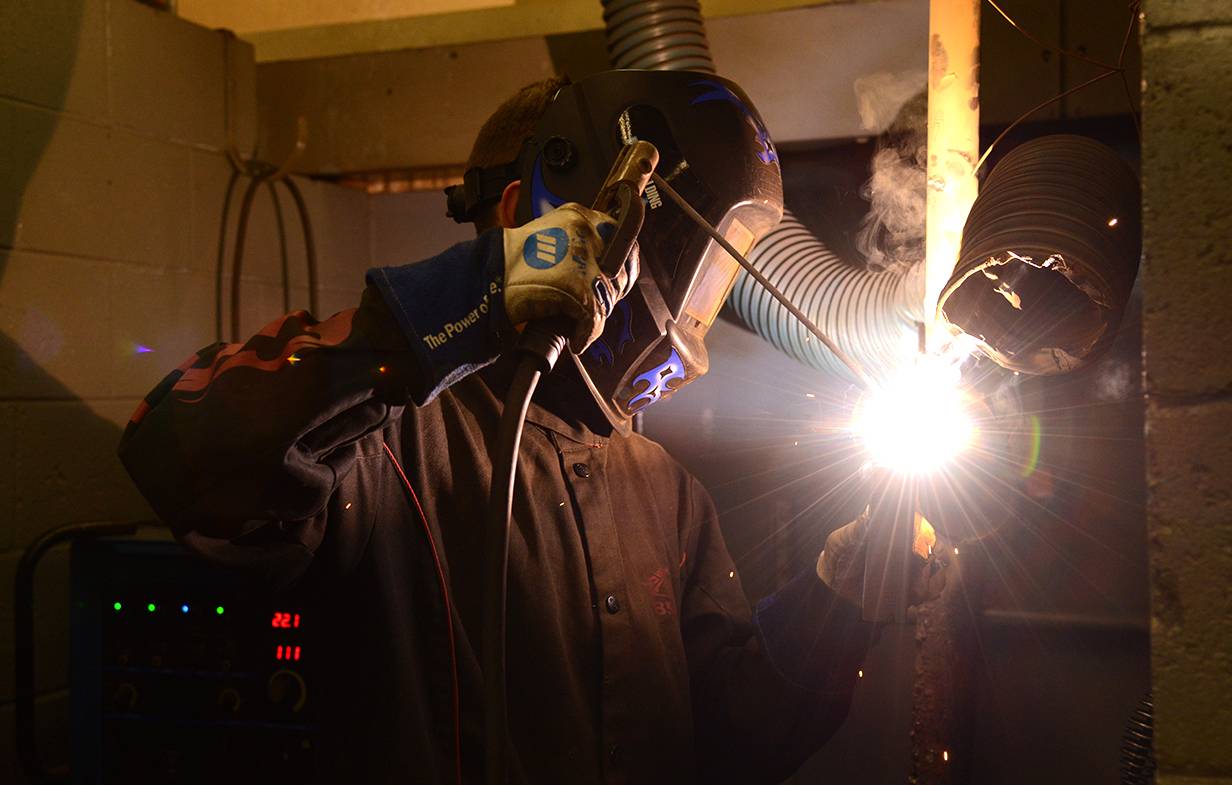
(453, 655)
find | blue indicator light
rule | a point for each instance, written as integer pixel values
(183, 609)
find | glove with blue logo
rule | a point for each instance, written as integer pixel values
(552, 270)
(459, 310)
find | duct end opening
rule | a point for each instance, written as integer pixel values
(1028, 316)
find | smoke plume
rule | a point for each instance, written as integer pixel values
(895, 107)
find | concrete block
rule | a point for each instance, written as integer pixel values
(407, 108)
(334, 300)
(1190, 443)
(51, 628)
(1169, 13)
(339, 218)
(159, 318)
(52, 715)
(1187, 210)
(411, 227)
(260, 304)
(799, 66)
(53, 324)
(168, 77)
(1190, 529)
(55, 54)
(67, 469)
(81, 189)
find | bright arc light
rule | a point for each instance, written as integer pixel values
(918, 420)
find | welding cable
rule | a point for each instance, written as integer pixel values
(282, 247)
(310, 246)
(237, 261)
(448, 607)
(222, 253)
(540, 346)
(756, 274)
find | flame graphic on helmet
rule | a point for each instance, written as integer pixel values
(656, 380)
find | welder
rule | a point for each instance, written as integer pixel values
(352, 457)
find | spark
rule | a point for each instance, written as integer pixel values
(955, 551)
(918, 420)
(293, 359)
(945, 755)
(731, 574)
(860, 673)
(346, 506)
(1113, 221)
(142, 349)
(809, 395)
(381, 369)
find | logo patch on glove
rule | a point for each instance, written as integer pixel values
(546, 248)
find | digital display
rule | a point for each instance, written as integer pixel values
(287, 653)
(285, 621)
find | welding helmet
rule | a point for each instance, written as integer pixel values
(715, 152)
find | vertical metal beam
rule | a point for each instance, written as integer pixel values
(953, 140)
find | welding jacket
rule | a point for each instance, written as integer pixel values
(633, 655)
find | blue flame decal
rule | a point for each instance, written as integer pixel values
(656, 380)
(542, 200)
(718, 92)
(600, 351)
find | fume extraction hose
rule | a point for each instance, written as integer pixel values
(871, 315)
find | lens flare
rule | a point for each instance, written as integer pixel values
(918, 420)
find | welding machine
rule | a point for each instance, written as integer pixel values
(181, 671)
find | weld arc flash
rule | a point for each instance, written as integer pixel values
(715, 151)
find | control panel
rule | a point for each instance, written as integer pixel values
(184, 672)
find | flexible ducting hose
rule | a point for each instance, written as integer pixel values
(871, 315)
(1049, 255)
(657, 35)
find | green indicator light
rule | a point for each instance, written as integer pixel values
(151, 608)
(219, 610)
(117, 606)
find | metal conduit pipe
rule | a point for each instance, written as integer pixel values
(872, 315)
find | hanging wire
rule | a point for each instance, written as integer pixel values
(1035, 109)
(259, 173)
(1109, 70)
(282, 248)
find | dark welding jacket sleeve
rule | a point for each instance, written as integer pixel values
(769, 686)
(242, 447)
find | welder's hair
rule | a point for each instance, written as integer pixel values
(501, 137)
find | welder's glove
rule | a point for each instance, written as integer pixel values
(552, 270)
(841, 562)
(458, 310)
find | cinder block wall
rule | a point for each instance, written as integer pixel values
(112, 179)
(1187, 164)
